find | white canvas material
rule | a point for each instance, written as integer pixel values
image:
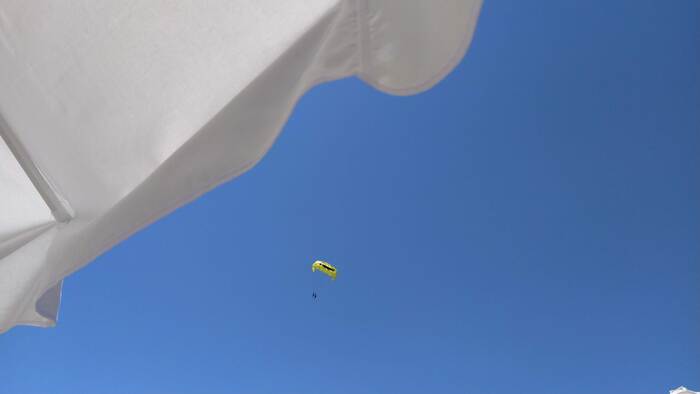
(114, 112)
(682, 390)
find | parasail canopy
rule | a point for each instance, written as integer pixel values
(325, 268)
(113, 113)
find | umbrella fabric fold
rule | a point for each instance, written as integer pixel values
(114, 113)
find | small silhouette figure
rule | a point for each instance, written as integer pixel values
(313, 295)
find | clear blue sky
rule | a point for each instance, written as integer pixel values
(530, 225)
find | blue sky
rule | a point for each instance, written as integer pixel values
(531, 224)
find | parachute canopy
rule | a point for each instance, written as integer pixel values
(325, 268)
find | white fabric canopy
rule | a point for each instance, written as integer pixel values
(682, 390)
(115, 112)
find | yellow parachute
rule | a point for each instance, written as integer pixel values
(325, 268)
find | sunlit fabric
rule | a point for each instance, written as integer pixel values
(114, 113)
(682, 390)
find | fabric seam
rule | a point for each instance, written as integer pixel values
(58, 206)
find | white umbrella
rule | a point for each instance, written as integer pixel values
(113, 113)
(682, 390)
